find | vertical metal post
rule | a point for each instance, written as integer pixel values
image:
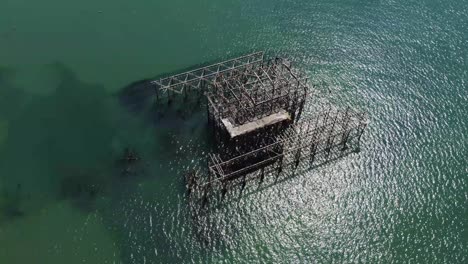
(157, 94)
(169, 97)
(262, 175)
(345, 135)
(244, 182)
(223, 190)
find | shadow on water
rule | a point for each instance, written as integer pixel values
(11, 98)
(219, 234)
(137, 96)
(182, 113)
(71, 145)
(81, 188)
(10, 204)
(11, 194)
(180, 132)
(58, 145)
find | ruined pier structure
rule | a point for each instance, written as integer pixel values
(255, 112)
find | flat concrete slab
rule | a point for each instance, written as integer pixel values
(235, 131)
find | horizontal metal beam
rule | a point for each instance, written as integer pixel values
(192, 78)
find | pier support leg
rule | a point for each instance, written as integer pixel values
(157, 96)
(297, 159)
(262, 175)
(279, 169)
(244, 182)
(204, 199)
(313, 149)
(344, 141)
(301, 107)
(223, 191)
(328, 147)
(169, 97)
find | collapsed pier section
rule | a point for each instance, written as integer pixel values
(255, 113)
(248, 108)
(314, 140)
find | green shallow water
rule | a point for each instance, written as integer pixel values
(402, 199)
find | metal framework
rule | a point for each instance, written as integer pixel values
(195, 79)
(315, 140)
(244, 95)
(254, 108)
(328, 131)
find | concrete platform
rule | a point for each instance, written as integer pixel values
(235, 131)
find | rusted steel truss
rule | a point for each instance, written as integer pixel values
(195, 79)
(254, 108)
(244, 95)
(314, 140)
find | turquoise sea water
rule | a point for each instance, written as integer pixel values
(402, 199)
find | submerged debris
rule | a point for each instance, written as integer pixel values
(128, 161)
(10, 203)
